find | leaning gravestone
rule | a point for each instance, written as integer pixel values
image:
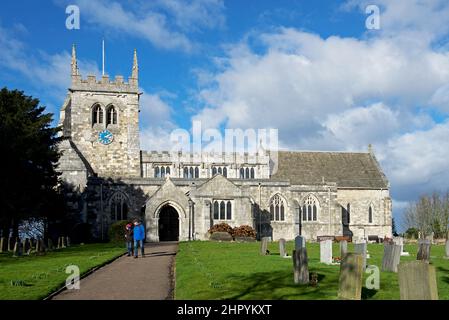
(282, 252)
(2, 244)
(264, 245)
(351, 276)
(300, 266)
(360, 248)
(68, 241)
(326, 251)
(417, 281)
(423, 250)
(343, 248)
(16, 249)
(391, 258)
(300, 242)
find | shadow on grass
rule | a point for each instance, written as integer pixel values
(368, 293)
(278, 286)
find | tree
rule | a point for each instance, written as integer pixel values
(28, 181)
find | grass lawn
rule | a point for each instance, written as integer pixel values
(39, 276)
(223, 270)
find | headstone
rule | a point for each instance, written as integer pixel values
(282, 252)
(63, 244)
(2, 244)
(10, 244)
(360, 248)
(423, 250)
(300, 242)
(27, 245)
(447, 249)
(264, 245)
(343, 248)
(59, 243)
(216, 236)
(300, 266)
(16, 249)
(391, 258)
(351, 276)
(68, 241)
(50, 244)
(326, 251)
(417, 281)
(430, 237)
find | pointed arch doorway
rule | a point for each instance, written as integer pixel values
(168, 224)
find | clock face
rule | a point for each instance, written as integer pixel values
(105, 137)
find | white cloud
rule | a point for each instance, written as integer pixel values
(165, 24)
(49, 72)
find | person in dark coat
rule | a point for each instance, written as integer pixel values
(129, 238)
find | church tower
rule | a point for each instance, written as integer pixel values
(100, 118)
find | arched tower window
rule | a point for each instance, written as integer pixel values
(225, 172)
(252, 173)
(156, 172)
(97, 114)
(119, 207)
(370, 214)
(277, 208)
(111, 116)
(310, 209)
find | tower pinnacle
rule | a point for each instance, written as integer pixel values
(75, 70)
(135, 71)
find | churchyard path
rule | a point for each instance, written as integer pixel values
(147, 278)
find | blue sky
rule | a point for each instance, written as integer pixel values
(309, 68)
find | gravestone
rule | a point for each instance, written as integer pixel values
(2, 244)
(360, 248)
(300, 266)
(63, 244)
(216, 236)
(50, 244)
(68, 241)
(423, 250)
(27, 246)
(417, 281)
(351, 276)
(300, 242)
(16, 249)
(10, 244)
(391, 258)
(264, 245)
(326, 251)
(447, 249)
(400, 241)
(343, 248)
(282, 252)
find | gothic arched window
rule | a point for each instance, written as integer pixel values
(242, 173)
(97, 114)
(222, 210)
(310, 209)
(119, 207)
(225, 172)
(370, 214)
(186, 173)
(163, 172)
(167, 170)
(277, 206)
(252, 173)
(214, 171)
(216, 212)
(111, 117)
(197, 172)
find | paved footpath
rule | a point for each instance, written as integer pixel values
(147, 278)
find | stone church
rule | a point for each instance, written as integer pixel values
(111, 178)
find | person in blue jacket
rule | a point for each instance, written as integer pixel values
(139, 236)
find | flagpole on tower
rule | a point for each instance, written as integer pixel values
(103, 55)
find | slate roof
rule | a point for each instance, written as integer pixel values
(348, 170)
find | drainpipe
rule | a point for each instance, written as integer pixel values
(190, 219)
